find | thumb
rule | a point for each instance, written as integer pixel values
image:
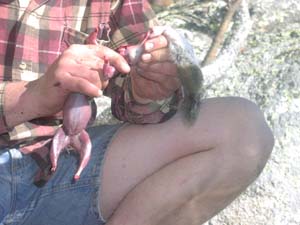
(157, 31)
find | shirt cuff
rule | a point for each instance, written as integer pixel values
(126, 108)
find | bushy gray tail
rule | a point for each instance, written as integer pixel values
(191, 108)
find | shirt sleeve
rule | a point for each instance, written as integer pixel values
(131, 30)
(3, 125)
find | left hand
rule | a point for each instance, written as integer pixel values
(155, 76)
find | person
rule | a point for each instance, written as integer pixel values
(151, 169)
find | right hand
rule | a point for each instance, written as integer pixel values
(78, 69)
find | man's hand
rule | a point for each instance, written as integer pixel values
(155, 76)
(78, 69)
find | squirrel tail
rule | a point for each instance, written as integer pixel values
(191, 108)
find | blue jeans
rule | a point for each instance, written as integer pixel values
(60, 201)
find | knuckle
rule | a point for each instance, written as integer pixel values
(73, 47)
(69, 51)
(95, 78)
(162, 55)
(62, 61)
(107, 51)
(79, 86)
(60, 77)
(162, 41)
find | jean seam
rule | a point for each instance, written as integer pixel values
(111, 138)
(13, 185)
(61, 189)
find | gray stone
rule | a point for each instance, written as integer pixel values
(268, 72)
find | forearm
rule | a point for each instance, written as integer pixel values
(19, 103)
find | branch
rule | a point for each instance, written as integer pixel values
(219, 39)
(216, 70)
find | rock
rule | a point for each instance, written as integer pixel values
(268, 73)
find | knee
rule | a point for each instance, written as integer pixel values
(250, 139)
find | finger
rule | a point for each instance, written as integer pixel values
(160, 55)
(77, 84)
(114, 58)
(82, 55)
(90, 74)
(156, 43)
(94, 63)
(167, 68)
(157, 30)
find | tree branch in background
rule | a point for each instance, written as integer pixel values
(219, 39)
(216, 70)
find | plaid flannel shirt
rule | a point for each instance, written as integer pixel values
(31, 38)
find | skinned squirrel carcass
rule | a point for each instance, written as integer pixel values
(77, 112)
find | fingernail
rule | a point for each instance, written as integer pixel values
(100, 93)
(149, 46)
(146, 57)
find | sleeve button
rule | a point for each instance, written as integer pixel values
(22, 66)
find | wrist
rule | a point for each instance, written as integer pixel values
(20, 105)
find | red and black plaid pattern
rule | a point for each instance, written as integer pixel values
(32, 38)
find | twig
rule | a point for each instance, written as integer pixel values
(219, 39)
(217, 69)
